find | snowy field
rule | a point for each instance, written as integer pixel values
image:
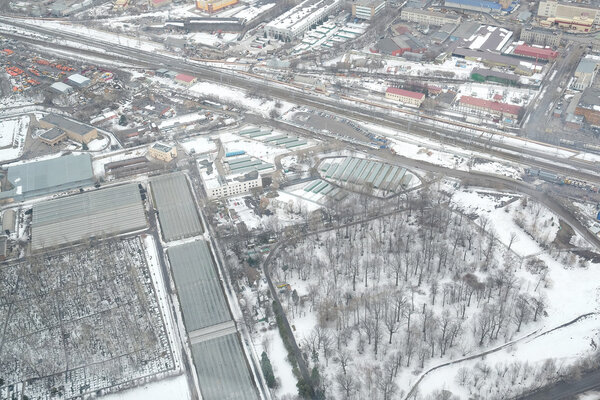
(169, 388)
(198, 145)
(13, 133)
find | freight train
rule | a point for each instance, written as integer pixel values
(560, 180)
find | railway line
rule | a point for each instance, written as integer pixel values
(473, 137)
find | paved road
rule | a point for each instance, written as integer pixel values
(565, 390)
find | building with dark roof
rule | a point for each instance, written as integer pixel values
(77, 131)
(53, 136)
(39, 178)
(589, 106)
(494, 60)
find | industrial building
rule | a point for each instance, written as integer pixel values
(53, 136)
(398, 45)
(589, 106)
(76, 131)
(535, 52)
(211, 6)
(570, 16)
(163, 152)
(176, 207)
(541, 37)
(426, 17)
(81, 217)
(218, 186)
(61, 88)
(39, 178)
(405, 96)
(495, 60)
(474, 5)
(221, 365)
(367, 9)
(502, 110)
(293, 23)
(79, 81)
(585, 73)
(482, 75)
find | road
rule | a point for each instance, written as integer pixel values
(564, 390)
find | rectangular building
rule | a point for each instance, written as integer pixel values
(187, 80)
(585, 73)
(176, 207)
(93, 214)
(367, 10)
(535, 52)
(218, 186)
(78, 80)
(39, 178)
(405, 96)
(76, 131)
(163, 152)
(495, 108)
(580, 17)
(53, 136)
(541, 37)
(589, 106)
(293, 23)
(474, 5)
(425, 17)
(211, 6)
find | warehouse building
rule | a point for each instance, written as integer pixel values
(425, 17)
(176, 207)
(81, 217)
(293, 23)
(163, 152)
(76, 131)
(496, 60)
(79, 81)
(45, 177)
(53, 136)
(405, 96)
(211, 6)
(367, 9)
(474, 5)
(535, 52)
(61, 88)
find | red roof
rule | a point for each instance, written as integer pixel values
(405, 93)
(498, 97)
(185, 78)
(537, 52)
(491, 105)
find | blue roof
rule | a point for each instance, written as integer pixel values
(473, 3)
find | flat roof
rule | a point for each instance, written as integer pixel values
(198, 286)
(165, 148)
(53, 175)
(431, 13)
(52, 134)
(176, 207)
(587, 65)
(222, 369)
(67, 124)
(96, 213)
(61, 87)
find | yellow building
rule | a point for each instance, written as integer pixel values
(212, 6)
(163, 152)
(76, 131)
(405, 96)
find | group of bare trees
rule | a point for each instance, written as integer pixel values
(393, 293)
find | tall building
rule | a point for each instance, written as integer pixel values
(428, 17)
(293, 23)
(571, 16)
(541, 37)
(212, 6)
(367, 9)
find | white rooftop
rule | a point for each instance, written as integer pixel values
(79, 79)
(61, 87)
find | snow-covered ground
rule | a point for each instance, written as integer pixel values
(198, 144)
(169, 388)
(13, 133)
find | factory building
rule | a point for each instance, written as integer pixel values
(474, 5)
(163, 152)
(218, 186)
(535, 52)
(60, 88)
(425, 17)
(293, 23)
(94, 214)
(367, 10)
(76, 131)
(79, 81)
(39, 178)
(405, 96)
(211, 6)
(541, 37)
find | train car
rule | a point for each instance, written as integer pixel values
(592, 147)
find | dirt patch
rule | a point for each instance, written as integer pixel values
(564, 235)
